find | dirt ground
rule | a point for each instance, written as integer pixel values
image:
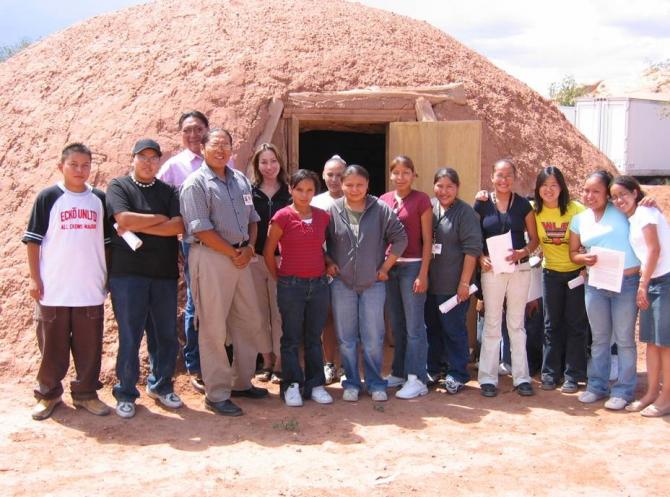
(546, 445)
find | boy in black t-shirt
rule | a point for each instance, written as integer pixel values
(143, 281)
(67, 219)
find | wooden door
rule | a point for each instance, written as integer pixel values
(432, 145)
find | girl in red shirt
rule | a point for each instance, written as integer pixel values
(302, 288)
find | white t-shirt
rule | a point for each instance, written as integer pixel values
(323, 201)
(71, 230)
(642, 217)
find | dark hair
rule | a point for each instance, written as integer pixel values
(357, 170)
(604, 177)
(505, 160)
(630, 184)
(206, 136)
(195, 114)
(563, 197)
(302, 175)
(256, 176)
(75, 148)
(447, 172)
(404, 161)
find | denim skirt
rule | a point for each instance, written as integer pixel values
(655, 320)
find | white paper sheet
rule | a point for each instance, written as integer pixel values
(535, 288)
(133, 241)
(575, 282)
(499, 249)
(449, 304)
(607, 272)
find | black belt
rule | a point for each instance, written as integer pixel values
(522, 260)
(234, 245)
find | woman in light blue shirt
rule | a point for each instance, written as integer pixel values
(611, 314)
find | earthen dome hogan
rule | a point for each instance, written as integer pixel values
(115, 78)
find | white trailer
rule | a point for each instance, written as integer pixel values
(633, 132)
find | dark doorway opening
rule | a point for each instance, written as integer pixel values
(365, 149)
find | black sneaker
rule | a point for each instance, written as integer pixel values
(488, 389)
(548, 385)
(570, 386)
(525, 389)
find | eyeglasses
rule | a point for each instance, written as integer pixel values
(147, 158)
(218, 146)
(621, 196)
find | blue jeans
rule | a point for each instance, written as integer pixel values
(191, 349)
(448, 333)
(302, 303)
(612, 315)
(136, 299)
(359, 318)
(565, 328)
(405, 312)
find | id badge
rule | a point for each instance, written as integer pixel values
(437, 249)
(248, 200)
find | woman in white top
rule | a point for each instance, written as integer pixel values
(648, 228)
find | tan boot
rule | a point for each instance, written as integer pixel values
(44, 408)
(94, 406)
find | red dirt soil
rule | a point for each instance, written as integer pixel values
(112, 79)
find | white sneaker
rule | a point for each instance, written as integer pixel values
(170, 400)
(614, 367)
(292, 395)
(452, 385)
(320, 396)
(394, 381)
(587, 397)
(350, 395)
(125, 409)
(412, 388)
(330, 373)
(615, 403)
(379, 396)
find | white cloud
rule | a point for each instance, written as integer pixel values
(539, 41)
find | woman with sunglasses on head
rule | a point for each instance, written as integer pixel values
(270, 194)
(650, 238)
(611, 314)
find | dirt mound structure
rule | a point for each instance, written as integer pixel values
(118, 77)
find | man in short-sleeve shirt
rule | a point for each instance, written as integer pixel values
(220, 220)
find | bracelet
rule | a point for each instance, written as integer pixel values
(464, 284)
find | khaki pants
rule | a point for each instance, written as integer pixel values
(266, 290)
(226, 310)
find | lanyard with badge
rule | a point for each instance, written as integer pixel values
(437, 247)
(504, 225)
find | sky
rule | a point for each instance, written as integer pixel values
(536, 41)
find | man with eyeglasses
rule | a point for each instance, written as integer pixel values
(143, 279)
(192, 126)
(221, 224)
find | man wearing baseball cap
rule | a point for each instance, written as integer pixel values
(143, 280)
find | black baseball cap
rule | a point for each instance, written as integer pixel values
(146, 143)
